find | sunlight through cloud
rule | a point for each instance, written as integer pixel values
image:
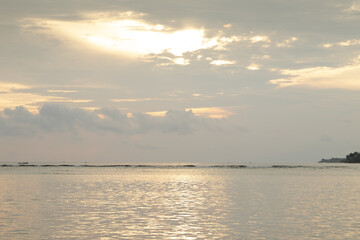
(287, 42)
(132, 100)
(253, 67)
(256, 39)
(222, 62)
(127, 34)
(347, 43)
(211, 112)
(346, 77)
(206, 112)
(9, 87)
(131, 36)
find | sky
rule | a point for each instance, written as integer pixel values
(158, 81)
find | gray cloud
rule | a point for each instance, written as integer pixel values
(59, 118)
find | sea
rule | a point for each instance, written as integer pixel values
(190, 201)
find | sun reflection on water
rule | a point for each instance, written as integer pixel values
(150, 203)
(146, 204)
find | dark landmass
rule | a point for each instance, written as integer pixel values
(351, 158)
(305, 166)
(332, 160)
(290, 166)
(230, 166)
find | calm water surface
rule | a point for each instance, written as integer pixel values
(180, 203)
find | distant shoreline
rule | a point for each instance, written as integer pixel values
(168, 166)
(332, 160)
(350, 158)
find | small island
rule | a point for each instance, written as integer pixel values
(332, 160)
(350, 158)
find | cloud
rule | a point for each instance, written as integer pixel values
(127, 35)
(7, 87)
(256, 39)
(211, 112)
(222, 62)
(345, 77)
(59, 118)
(347, 43)
(14, 94)
(18, 121)
(287, 42)
(355, 7)
(206, 112)
(132, 100)
(14, 99)
(132, 35)
(62, 91)
(253, 67)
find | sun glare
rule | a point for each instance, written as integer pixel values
(127, 34)
(211, 112)
(133, 36)
(253, 67)
(222, 62)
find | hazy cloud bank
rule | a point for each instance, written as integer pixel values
(344, 77)
(60, 118)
